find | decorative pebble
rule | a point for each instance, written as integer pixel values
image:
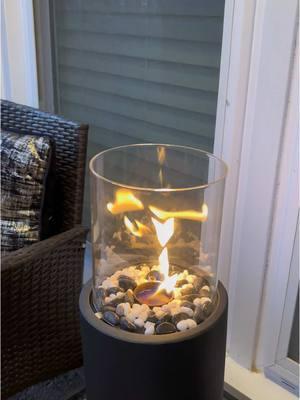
(198, 283)
(139, 322)
(101, 293)
(186, 324)
(126, 283)
(200, 301)
(189, 297)
(154, 276)
(165, 327)
(191, 278)
(123, 309)
(111, 318)
(187, 289)
(113, 290)
(179, 317)
(207, 308)
(187, 311)
(149, 328)
(98, 315)
(199, 315)
(204, 291)
(127, 325)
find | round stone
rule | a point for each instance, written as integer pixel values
(179, 317)
(111, 318)
(207, 308)
(188, 289)
(181, 282)
(113, 290)
(129, 297)
(199, 315)
(127, 325)
(154, 276)
(204, 291)
(198, 283)
(164, 328)
(114, 302)
(188, 304)
(126, 283)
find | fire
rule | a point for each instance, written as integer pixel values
(186, 214)
(125, 201)
(137, 228)
(164, 231)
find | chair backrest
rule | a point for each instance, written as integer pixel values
(70, 146)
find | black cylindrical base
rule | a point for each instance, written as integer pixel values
(121, 365)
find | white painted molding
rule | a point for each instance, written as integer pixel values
(20, 53)
(283, 233)
(234, 74)
(270, 72)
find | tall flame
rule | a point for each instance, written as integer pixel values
(164, 230)
(186, 214)
(125, 201)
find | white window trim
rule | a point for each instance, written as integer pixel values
(260, 137)
(19, 72)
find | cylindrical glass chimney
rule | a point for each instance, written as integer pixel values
(156, 221)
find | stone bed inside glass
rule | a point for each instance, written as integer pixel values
(131, 300)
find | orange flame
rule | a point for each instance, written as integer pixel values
(137, 228)
(124, 201)
(186, 214)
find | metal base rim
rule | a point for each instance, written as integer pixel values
(88, 314)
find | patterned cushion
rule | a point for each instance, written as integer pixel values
(25, 161)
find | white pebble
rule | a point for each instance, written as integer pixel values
(149, 328)
(187, 310)
(144, 315)
(107, 300)
(202, 300)
(139, 322)
(175, 310)
(186, 324)
(131, 316)
(187, 286)
(120, 295)
(123, 309)
(109, 283)
(206, 288)
(98, 315)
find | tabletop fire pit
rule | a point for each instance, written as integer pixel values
(153, 320)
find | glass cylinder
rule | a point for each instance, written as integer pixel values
(156, 221)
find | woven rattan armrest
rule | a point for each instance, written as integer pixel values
(40, 319)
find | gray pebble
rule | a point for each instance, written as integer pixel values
(179, 317)
(165, 327)
(113, 290)
(127, 325)
(101, 293)
(199, 315)
(198, 283)
(111, 318)
(126, 283)
(207, 308)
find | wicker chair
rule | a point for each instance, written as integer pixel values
(41, 283)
